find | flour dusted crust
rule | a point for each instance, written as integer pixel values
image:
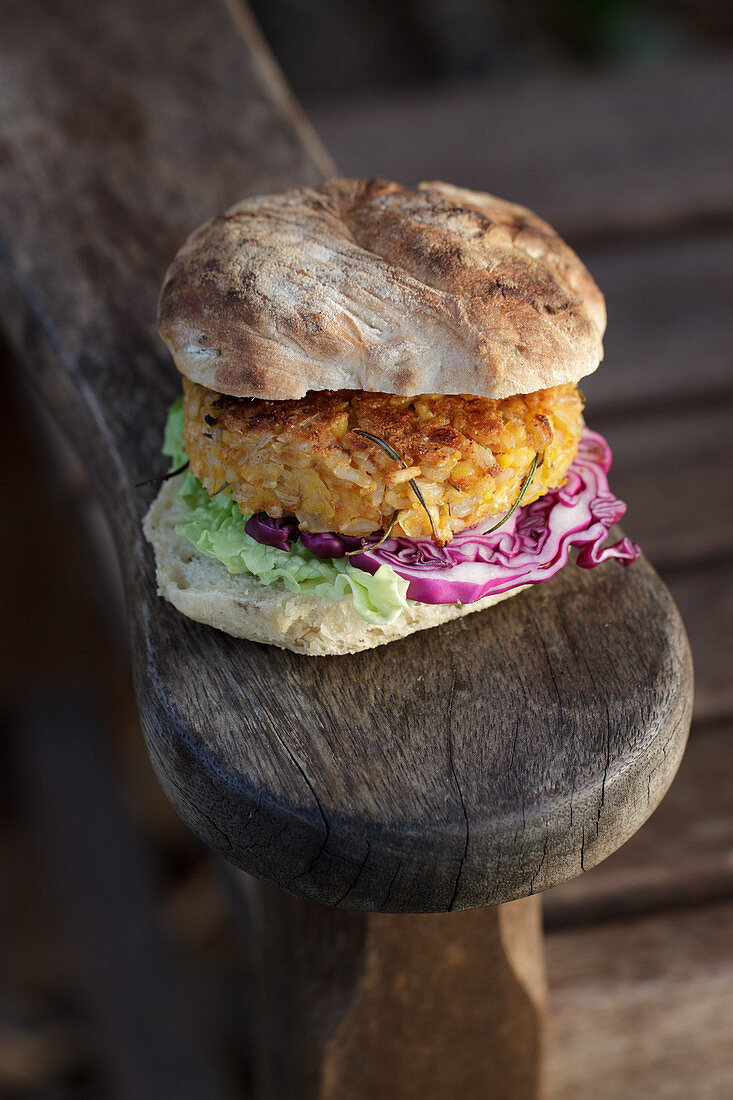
(202, 589)
(368, 285)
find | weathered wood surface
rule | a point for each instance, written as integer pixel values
(364, 1005)
(459, 768)
(642, 1008)
(682, 857)
(598, 156)
(448, 796)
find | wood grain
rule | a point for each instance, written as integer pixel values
(363, 1005)
(459, 768)
(682, 857)
(641, 1008)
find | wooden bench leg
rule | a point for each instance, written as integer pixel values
(364, 1006)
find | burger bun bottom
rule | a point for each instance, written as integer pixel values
(202, 589)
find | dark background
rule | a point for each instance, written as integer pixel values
(332, 49)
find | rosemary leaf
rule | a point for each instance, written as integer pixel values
(421, 498)
(520, 498)
(398, 458)
(162, 477)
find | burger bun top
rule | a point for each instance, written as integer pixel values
(369, 285)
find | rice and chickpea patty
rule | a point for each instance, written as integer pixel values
(468, 455)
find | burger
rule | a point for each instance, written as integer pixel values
(380, 428)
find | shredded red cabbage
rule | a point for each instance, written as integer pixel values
(279, 533)
(530, 547)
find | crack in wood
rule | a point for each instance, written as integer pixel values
(311, 788)
(340, 900)
(392, 881)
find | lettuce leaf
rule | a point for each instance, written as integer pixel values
(173, 446)
(215, 527)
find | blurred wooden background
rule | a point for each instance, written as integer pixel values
(635, 166)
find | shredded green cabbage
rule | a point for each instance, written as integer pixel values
(216, 528)
(173, 446)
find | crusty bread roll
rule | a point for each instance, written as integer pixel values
(369, 285)
(361, 285)
(202, 589)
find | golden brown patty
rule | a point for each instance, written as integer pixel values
(469, 455)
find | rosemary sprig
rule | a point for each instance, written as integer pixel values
(520, 498)
(374, 545)
(398, 458)
(162, 477)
